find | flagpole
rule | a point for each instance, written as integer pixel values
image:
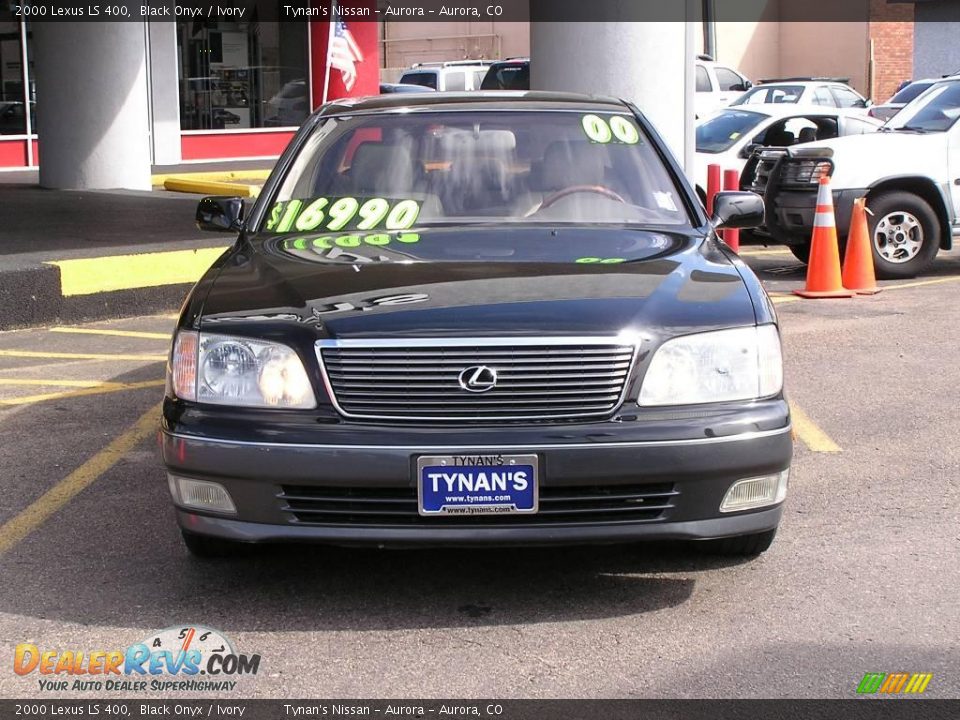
(326, 79)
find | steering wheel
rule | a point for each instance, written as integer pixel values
(573, 189)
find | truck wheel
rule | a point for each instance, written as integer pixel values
(904, 234)
(742, 545)
(801, 252)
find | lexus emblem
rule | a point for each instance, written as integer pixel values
(478, 379)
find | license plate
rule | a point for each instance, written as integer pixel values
(477, 484)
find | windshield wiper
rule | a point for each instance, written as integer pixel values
(913, 128)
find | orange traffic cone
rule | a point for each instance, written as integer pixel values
(858, 272)
(823, 271)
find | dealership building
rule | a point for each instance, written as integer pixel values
(198, 90)
(76, 97)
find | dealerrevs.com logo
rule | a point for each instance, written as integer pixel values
(190, 658)
(894, 683)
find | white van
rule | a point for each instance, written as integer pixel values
(457, 75)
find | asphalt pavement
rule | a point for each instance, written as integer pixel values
(861, 578)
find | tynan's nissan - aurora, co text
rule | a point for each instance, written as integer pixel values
(461, 319)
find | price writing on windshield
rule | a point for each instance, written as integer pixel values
(340, 213)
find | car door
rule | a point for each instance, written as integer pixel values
(704, 99)
(953, 166)
(858, 125)
(847, 98)
(730, 84)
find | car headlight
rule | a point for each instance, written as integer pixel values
(720, 366)
(226, 370)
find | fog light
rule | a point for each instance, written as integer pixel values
(756, 492)
(201, 494)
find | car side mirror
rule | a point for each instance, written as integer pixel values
(741, 87)
(736, 209)
(220, 214)
(867, 103)
(749, 149)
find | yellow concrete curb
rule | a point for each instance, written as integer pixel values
(211, 187)
(86, 276)
(219, 176)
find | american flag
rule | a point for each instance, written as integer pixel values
(344, 53)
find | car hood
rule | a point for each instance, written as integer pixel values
(476, 281)
(860, 160)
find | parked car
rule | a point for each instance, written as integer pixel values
(500, 320)
(289, 106)
(509, 74)
(731, 136)
(716, 85)
(896, 103)
(457, 75)
(13, 119)
(390, 88)
(907, 171)
(826, 92)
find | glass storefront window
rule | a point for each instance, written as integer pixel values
(242, 75)
(13, 100)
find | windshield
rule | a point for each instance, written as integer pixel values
(770, 94)
(722, 131)
(507, 77)
(394, 171)
(427, 79)
(910, 92)
(934, 111)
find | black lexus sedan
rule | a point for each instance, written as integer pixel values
(477, 318)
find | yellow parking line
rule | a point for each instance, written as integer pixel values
(102, 389)
(79, 356)
(783, 299)
(117, 333)
(61, 383)
(748, 252)
(35, 514)
(920, 283)
(86, 276)
(808, 431)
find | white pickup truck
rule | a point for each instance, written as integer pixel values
(909, 172)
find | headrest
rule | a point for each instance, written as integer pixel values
(566, 164)
(496, 143)
(379, 168)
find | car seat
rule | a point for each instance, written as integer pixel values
(567, 164)
(779, 137)
(380, 169)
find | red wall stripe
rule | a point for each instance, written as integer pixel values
(13, 153)
(233, 145)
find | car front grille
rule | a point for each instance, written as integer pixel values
(610, 504)
(423, 379)
(804, 173)
(765, 165)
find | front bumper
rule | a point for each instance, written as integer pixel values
(683, 462)
(790, 213)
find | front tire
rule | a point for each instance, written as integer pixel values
(904, 234)
(208, 547)
(739, 545)
(801, 252)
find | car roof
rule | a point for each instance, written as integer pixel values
(483, 99)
